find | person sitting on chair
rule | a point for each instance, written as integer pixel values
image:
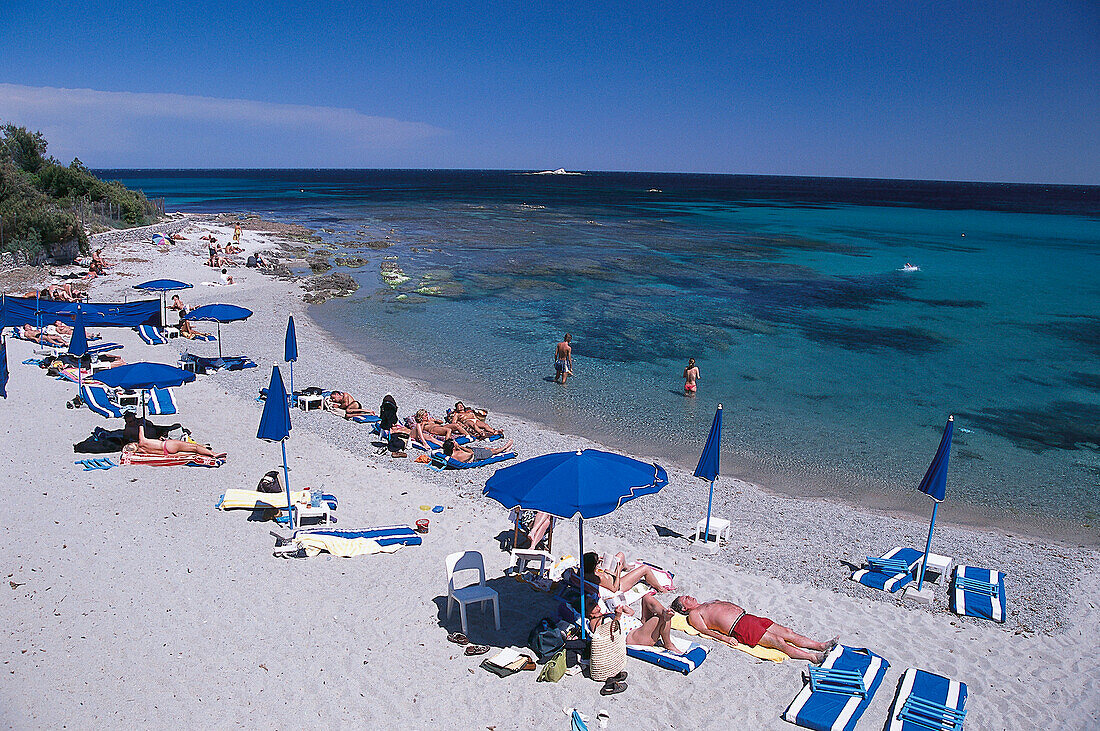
(536, 524)
(654, 625)
(618, 580)
(473, 454)
(726, 622)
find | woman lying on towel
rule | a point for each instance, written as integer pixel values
(473, 454)
(424, 425)
(165, 447)
(472, 421)
(617, 578)
(42, 337)
(344, 401)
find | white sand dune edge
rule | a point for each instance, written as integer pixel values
(134, 603)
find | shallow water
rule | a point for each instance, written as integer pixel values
(836, 370)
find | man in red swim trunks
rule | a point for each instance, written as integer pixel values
(725, 621)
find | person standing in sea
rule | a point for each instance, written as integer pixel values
(563, 360)
(691, 375)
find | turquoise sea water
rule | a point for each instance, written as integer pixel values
(836, 370)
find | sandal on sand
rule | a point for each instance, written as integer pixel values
(458, 638)
(477, 649)
(602, 718)
(620, 677)
(611, 688)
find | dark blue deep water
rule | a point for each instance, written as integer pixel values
(836, 369)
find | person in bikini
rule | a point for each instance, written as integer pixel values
(424, 426)
(42, 337)
(726, 622)
(469, 419)
(474, 453)
(344, 400)
(187, 331)
(165, 447)
(653, 626)
(563, 360)
(691, 375)
(620, 579)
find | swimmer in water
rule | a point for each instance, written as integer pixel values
(691, 375)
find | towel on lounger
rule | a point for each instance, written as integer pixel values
(680, 623)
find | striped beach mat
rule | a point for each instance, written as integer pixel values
(978, 592)
(826, 709)
(927, 701)
(692, 655)
(890, 580)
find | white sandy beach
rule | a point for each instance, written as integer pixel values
(134, 603)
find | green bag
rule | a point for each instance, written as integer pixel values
(554, 668)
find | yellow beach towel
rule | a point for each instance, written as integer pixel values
(255, 500)
(343, 547)
(680, 622)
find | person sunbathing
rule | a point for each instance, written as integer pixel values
(97, 257)
(473, 423)
(727, 622)
(473, 454)
(655, 623)
(618, 579)
(189, 332)
(344, 400)
(424, 426)
(165, 446)
(42, 337)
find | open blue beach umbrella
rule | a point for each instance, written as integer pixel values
(142, 376)
(934, 485)
(290, 349)
(162, 286)
(587, 484)
(219, 313)
(707, 469)
(275, 426)
(78, 345)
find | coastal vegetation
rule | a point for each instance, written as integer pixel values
(47, 208)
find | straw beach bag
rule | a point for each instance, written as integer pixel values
(608, 650)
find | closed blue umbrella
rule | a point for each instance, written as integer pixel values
(587, 484)
(934, 485)
(78, 345)
(142, 376)
(275, 426)
(707, 468)
(219, 313)
(290, 349)
(3, 367)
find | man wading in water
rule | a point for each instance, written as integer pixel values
(563, 360)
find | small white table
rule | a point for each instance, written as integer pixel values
(310, 403)
(321, 514)
(522, 556)
(937, 569)
(128, 399)
(719, 528)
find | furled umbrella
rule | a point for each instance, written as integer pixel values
(934, 485)
(78, 346)
(3, 366)
(275, 427)
(709, 460)
(587, 484)
(143, 376)
(290, 350)
(162, 286)
(219, 313)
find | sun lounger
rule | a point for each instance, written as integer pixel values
(151, 335)
(927, 702)
(891, 571)
(203, 365)
(170, 460)
(977, 592)
(838, 692)
(99, 401)
(347, 542)
(234, 499)
(161, 401)
(441, 461)
(693, 655)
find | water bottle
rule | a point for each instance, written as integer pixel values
(307, 496)
(315, 498)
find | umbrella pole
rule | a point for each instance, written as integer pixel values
(927, 547)
(286, 481)
(292, 399)
(584, 615)
(710, 502)
(219, 340)
(143, 405)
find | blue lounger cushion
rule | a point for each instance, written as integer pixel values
(365, 419)
(890, 581)
(829, 711)
(693, 656)
(926, 686)
(161, 401)
(151, 335)
(99, 401)
(385, 536)
(984, 598)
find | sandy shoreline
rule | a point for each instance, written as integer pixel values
(137, 602)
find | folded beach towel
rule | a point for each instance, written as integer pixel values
(828, 709)
(924, 700)
(234, 499)
(977, 592)
(691, 655)
(680, 623)
(170, 460)
(887, 579)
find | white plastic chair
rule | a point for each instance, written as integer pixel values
(474, 593)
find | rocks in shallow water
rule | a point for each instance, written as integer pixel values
(442, 289)
(319, 264)
(350, 261)
(325, 287)
(392, 274)
(377, 244)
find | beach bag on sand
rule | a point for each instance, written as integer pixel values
(608, 650)
(554, 669)
(270, 483)
(387, 412)
(545, 638)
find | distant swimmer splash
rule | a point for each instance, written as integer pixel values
(909, 268)
(559, 171)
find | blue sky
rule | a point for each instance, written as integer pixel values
(977, 90)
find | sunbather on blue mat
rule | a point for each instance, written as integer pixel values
(475, 453)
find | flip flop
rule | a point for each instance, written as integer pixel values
(620, 677)
(477, 649)
(602, 718)
(611, 688)
(458, 638)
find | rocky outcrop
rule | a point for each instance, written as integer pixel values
(325, 287)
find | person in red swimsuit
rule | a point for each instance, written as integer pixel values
(725, 621)
(691, 375)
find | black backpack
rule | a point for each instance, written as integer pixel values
(387, 413)
(270, 482)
